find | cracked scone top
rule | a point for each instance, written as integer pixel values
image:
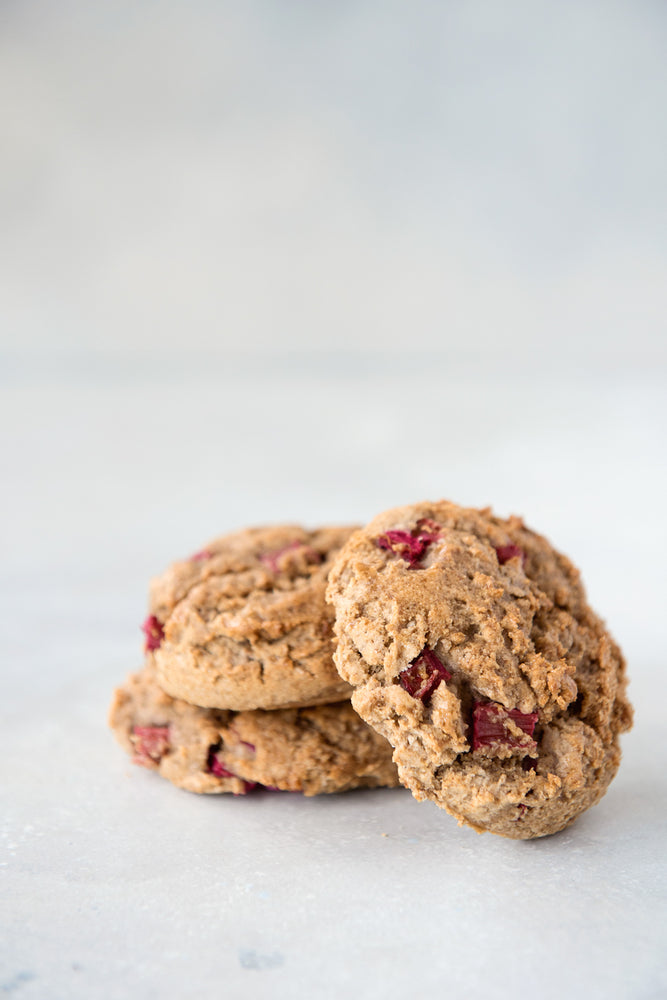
(472, 649)
(243, 624)
(322, 749)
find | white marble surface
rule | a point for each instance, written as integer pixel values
(275, 262)
(117, 884)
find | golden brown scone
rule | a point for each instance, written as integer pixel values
(472, 649)
(244, 624)
(327, 748)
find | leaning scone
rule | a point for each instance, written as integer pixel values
(472, 649)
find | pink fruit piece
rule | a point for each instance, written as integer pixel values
(154, 632)
(410, 545)
(490, 726)
(150, 744)
(215, 766)
(400, 543)
(201, 556)
(248, 787)
(423, 675)
(507, 552)
(428, 528)
(271, 559)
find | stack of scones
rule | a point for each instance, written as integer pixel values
(440, 647)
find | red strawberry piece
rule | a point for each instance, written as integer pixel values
(271, 559)
(215, 766)
(402, 544)
(507, 552)
(201, 556)
(423, 675)
(428, 528)
(150, 744)
(154, 632)
(410, 545)
(248, 787)
(489, 726)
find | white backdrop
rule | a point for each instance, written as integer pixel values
(477, 178)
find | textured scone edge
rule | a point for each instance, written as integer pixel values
(321, 750)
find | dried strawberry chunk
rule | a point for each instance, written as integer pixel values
(410, 545)
(402, 544)
(423, 675)
(150, 744)
(154, 632)
(201, 556)
(426, 526)
(219, 770)
(490, 727)
(271, 559)
(215, 766)
(507, 552)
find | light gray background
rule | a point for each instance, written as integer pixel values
(264, 262)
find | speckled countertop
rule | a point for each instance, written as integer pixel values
(116, 883)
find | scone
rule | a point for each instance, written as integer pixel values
(326, 748)
(472, 649)
(243, 624)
